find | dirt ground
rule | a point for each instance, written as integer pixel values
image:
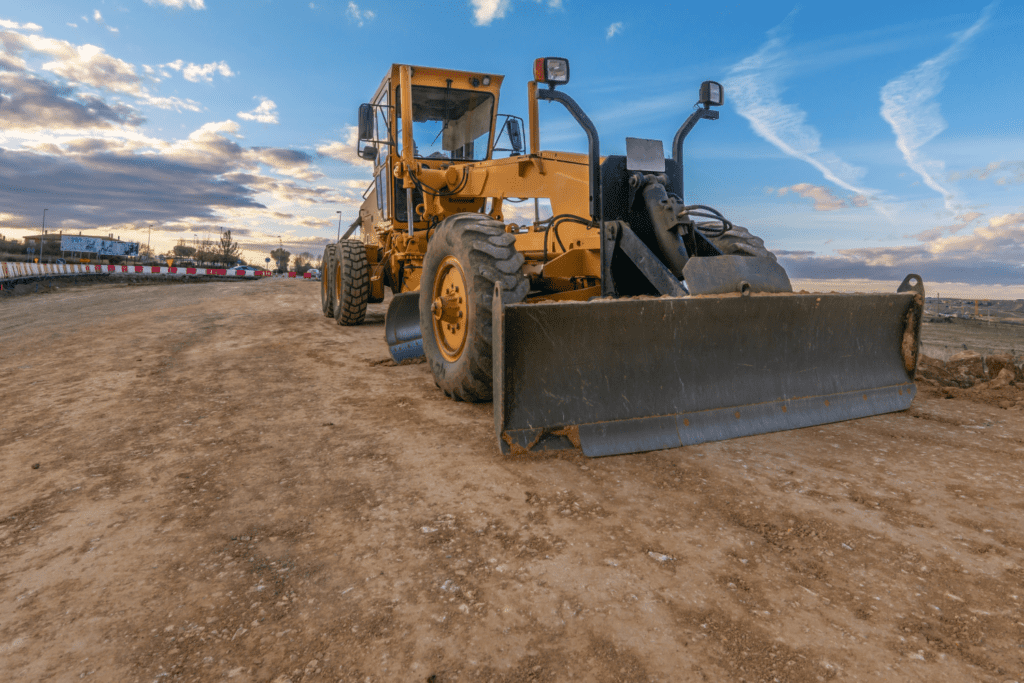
(212, 482)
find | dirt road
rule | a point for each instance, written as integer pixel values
(230, 487)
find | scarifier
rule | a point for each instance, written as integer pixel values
(626, 321)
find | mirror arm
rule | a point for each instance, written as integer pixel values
(684, 130)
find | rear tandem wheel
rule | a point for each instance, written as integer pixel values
(351, 282)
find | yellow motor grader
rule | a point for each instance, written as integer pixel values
(625, 321)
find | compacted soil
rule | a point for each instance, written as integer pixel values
(211, 481)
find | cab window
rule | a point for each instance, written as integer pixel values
(450, 123)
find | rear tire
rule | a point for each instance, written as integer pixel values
(738, 241)
(327, 283)
(351, 282)
(466, 255)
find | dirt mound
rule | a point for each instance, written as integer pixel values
(997, 379)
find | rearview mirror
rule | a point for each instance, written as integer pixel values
(515, 135)
(369, 152)
(366, 122)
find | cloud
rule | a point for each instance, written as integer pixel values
(266, 112)
(287, 162)
(486, 11)
(990, 255)
(909, 106)
(344, 151)
(359, 16)
(31, 103)
(200, 72)
(613, 30)
(4, 23)
(754, 86)
(178, 4)
(1001, 172)
(823, 199)
(82, 64)
(98, 18)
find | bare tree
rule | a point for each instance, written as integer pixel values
(229, 251)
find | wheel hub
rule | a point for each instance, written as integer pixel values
(450, 309)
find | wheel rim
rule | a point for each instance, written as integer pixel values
(449, 309)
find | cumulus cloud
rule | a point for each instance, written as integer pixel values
(200, 72)
(486, 11)
(266, 112)
(358, 15)
(909, 106)
(82, 64)
(755, 87)
(823, 199)
(178, 4)
(344, 151)
(5, 23)
(614, 30)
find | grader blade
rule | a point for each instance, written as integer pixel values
(402, 327)
(629, 375)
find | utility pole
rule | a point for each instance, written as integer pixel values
(339, 224)
(41, 232)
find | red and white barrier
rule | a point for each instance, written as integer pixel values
(17, 271)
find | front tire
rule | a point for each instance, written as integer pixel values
(466, 255)
(351, 282)
(327, 283)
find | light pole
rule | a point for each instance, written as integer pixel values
(41, 232)
(149, 239)
(339, 224)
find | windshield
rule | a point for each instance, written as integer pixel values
(451, 124)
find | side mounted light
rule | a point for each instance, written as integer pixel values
(711, 94)
(551, 70)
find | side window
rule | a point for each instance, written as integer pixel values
(382, 193)
(382, 133)
(383, 137)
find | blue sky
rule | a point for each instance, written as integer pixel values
(863, 142)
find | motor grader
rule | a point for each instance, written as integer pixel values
(626, 320)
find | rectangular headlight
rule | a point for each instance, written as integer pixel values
(711, 94)
(551, 70)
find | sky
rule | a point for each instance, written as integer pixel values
(862, 141)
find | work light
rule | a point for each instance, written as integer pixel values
(551, 70)
(711, 94)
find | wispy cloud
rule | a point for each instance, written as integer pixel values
(178, 4)
(909, 106)
(613, 30)
(823, 199)
(755, 87)
(200, 72)
(265, 113)
(98, 18)
(1001, 172)
(359, 16)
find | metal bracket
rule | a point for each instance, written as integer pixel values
(649, 264)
